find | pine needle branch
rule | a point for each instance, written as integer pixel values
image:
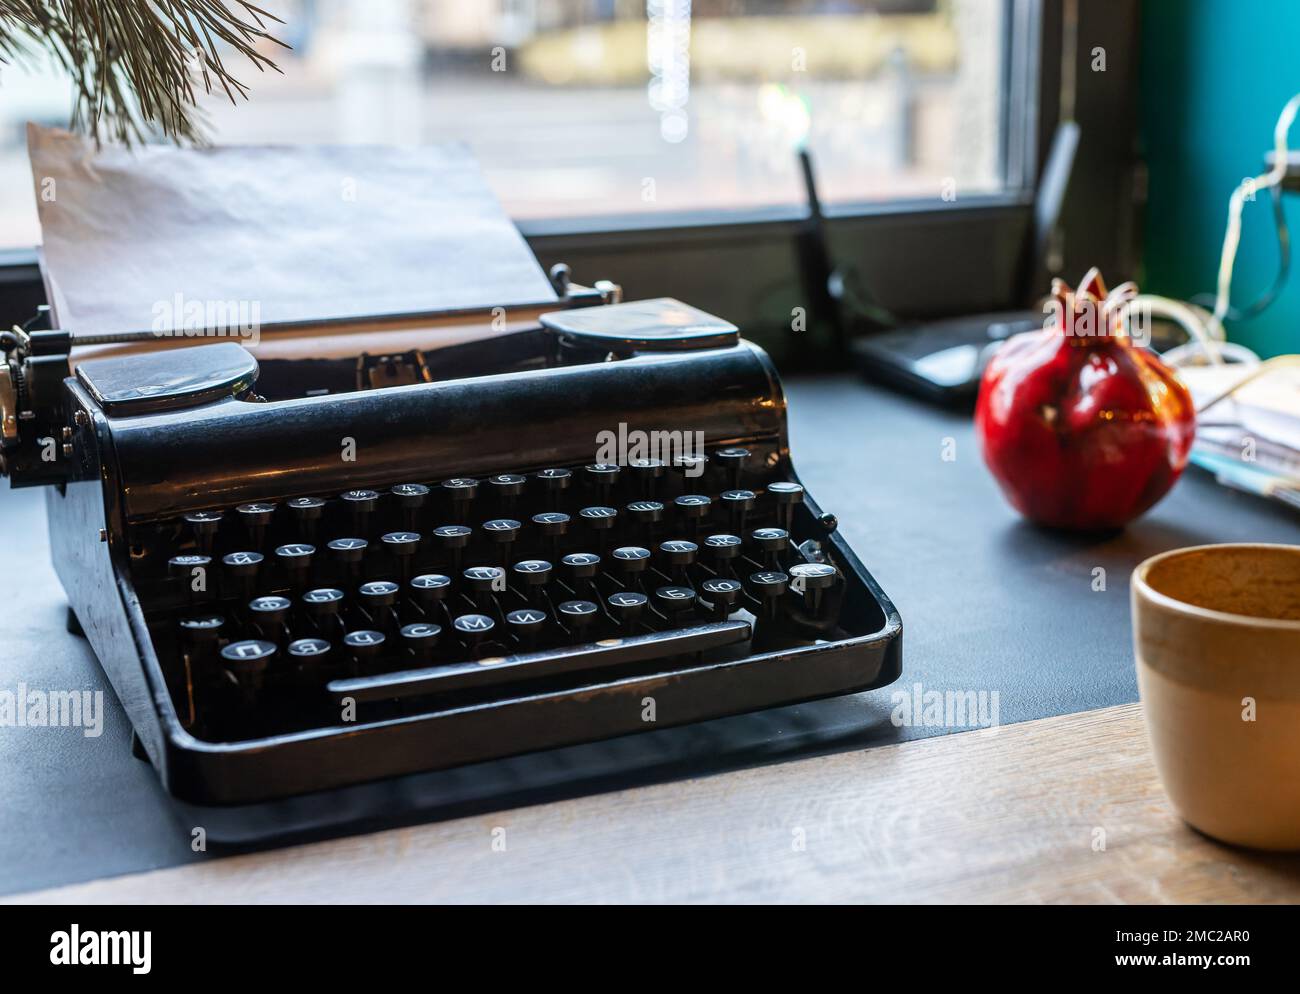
(135, 64)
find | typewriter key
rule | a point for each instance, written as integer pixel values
(692, 508)
(473, 629)
(678, 555)
(246, 662)
(601, 477)
(349, 554)
(450, 541)
(364, 646)
(421, 638)
(322, 605)
(533, 574)
(295, 561)
(577, 616)
(402, 546)
(732, 462)
(361, 506)
(182, 567)
(203, 525)
(323, 600)
(378, 593)
(769, 586)
(377, 599)
(508, 484)
(201, 628)
(464, 488)
(551, 527)
(674, 602)
(269, 615)
(347, 551)
(192, 573)
(502, 530)
(256, 517)
(506, 487)
(551, 524)
(401, 543)
(555, 479)
(502, 533)
(738, 504)
(409, 498)
(460, 491)
(811, 579)
(305, 512)
(722, 549)
(554, 482)
(308, 653)
(241, 569)
(689, 467)
(200, 635)
(483, 582)
(526, 624)
(723, 594)
(645, 513)
(429, 589)
(631, 561)
(771, 542)
(646, 474)
(304, 648)
(580, 565)
(786, 495)
(626, 606)
(600, 520)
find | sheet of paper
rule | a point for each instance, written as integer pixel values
(294, 234)
(1267, 406)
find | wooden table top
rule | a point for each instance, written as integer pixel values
(1064, 809)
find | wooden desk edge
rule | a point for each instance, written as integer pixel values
(1063, 809)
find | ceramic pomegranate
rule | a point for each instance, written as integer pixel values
(1081, 427)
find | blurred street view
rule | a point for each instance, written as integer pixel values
(581, 108)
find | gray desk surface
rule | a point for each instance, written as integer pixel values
(988, 603)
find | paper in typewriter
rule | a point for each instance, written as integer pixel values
(310, 234)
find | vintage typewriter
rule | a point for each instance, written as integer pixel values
(302, 573)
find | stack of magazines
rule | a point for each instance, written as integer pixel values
(1250, 439)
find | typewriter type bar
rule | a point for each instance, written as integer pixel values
(300, 580)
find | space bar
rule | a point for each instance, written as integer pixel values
(476, 673)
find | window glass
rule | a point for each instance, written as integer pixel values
(616, 107)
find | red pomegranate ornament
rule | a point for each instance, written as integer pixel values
(1081, 427)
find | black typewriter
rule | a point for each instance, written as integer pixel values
(307, 573)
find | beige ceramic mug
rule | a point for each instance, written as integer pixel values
(1216, 632)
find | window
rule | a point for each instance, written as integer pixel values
(585, 108)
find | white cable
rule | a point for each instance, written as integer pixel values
(1195, 354)
(1232, 236)
(1206, 334)
(1191, 319)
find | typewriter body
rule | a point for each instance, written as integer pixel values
(308, 569)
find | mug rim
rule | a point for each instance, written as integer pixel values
(1142, 587)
